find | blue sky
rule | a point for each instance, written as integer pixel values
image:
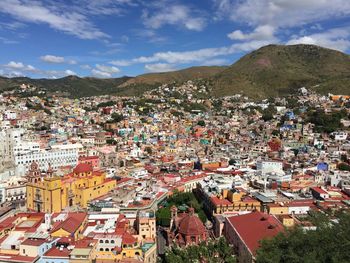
(112, 38)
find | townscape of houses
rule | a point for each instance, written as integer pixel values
(82, 180)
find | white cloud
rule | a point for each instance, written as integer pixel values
(14, 73)
(16, 65)
(200, 55)
(268, 17)
(52, 59)
(108, 69)
(103, 71)
(335, 39)
(31, 68)
(282, 13)
(170, 14)
(120, 63)
(104, 7)
(159, 67)
(57, 60)
(13, 69)
(69, 72)
(265, 32)
(72, 23)
(85, 67)
(20, 66)
(5, 40)
(151, 35)
(100, 74)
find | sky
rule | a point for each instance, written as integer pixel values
(114, 38)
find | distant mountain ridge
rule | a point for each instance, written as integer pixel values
(279, 70)
(176, 76)
(273, 70)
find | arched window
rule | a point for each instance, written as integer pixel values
(112, 241)
(101, 249)
(101, 241)
(107, 241)
(107, 249)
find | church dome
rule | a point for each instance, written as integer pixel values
(191, 225)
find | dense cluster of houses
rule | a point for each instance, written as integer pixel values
(82, 179)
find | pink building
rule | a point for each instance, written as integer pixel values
(94, 161)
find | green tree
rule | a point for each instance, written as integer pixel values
(329, 243)
(267, 114)
(213, 251)
(344, 167)
(201, 123)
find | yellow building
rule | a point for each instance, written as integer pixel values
(277, 209)
(146, 225)
(287, 220)
(70, 225)
(230, 201)
(48, 193)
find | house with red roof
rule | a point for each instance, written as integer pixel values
(319, 193)
(60, 252)
(69, 224)
(245, 232)
(34, 247)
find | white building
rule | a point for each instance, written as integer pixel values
(56, 156)
(22, 152)
(270, 167)
(340, 136)
(13, 191)
(10, 115)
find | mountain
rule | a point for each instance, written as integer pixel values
(276, 70)
(273, 70)
(175, 76)
(77, 87)
(72, 85)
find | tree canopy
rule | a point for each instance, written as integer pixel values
(329, 243)
(179, 199)
(326, 122)
(214, 251)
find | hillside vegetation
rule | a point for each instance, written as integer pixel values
(279, 70)
(273, 70)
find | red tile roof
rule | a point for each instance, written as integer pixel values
(71, 224)
(16, 258)
(85, 243)
(218, 202)
(56, 252)
(319, 190)
(191, 225)
(82, 168)
(128, 239)
(33, 242)
(82, 158)
(254, 227)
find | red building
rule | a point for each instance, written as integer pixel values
(186, 228)
(245, 232)
(93, 161)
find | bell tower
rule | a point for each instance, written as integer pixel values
(34, 174)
